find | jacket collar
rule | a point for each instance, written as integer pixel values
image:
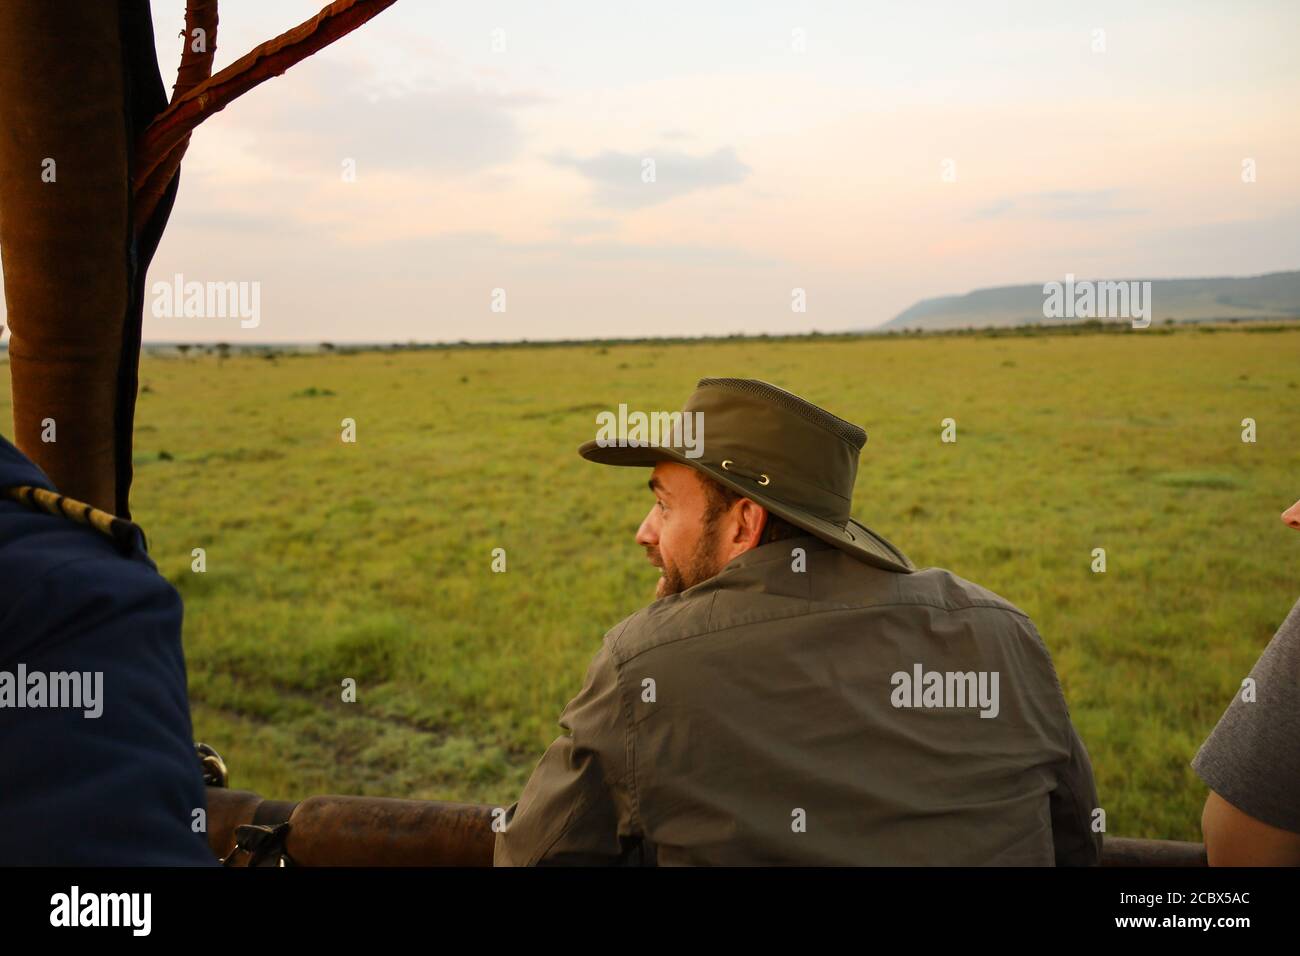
(775, 551)
(741, 570)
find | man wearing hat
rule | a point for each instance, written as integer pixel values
(799, 693)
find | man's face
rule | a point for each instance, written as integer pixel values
(676, 534)
(1292, 516)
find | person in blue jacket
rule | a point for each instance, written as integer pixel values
(97, 760)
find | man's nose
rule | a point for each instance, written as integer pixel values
(1292, 516)
(648, 534)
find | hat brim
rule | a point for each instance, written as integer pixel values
(854, 537)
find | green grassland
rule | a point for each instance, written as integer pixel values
(372, 560)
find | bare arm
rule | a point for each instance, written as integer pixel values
(1235, 838)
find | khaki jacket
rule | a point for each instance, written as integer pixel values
(767, 716)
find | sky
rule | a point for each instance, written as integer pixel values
(869, 154)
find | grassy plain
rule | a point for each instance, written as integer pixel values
(372, 560)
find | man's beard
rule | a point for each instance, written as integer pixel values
(699, 567)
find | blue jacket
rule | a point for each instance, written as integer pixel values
(121, 788)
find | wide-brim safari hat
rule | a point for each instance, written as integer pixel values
(790, 456)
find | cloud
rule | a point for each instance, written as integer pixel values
(584, 227)
(428, 255)
(444, 131)
(1057, 205)
(227, 221)
(313, 120)
(620, 181)
(995, 210)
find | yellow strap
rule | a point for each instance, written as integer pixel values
(123, 532)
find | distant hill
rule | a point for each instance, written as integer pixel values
(1272, 296)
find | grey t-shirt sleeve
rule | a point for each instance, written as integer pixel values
(1252, 757)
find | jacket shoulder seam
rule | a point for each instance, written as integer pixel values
(979, 605)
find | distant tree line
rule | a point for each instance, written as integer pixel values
(1028, 330)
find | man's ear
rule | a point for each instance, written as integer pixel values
(751, 519)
